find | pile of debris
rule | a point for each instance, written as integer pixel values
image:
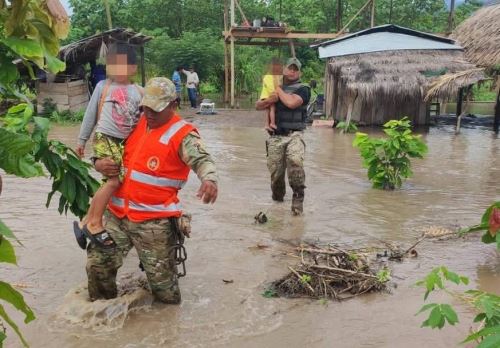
(330, 272)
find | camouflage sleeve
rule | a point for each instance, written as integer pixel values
(192, 152)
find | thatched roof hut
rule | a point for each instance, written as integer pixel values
(382, 73)
(479, 35)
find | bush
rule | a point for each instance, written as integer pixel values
(388, 160)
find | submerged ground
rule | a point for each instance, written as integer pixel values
(451, 186)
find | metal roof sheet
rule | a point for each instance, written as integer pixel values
(382, 41)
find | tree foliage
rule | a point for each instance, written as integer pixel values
(189, 32)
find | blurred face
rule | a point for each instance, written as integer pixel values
(291, 73)
(157, 119)
(119, 69)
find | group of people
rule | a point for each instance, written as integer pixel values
(192, 83)
(146, 150)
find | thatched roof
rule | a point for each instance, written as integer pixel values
(394, 74)
(449, 84)
(87, 49)
(480, 36)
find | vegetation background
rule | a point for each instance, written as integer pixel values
(189, 32)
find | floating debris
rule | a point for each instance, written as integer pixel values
(329, 272)
(260, 218)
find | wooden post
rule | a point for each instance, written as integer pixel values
(108, 14)
(390, 13)
(226, 60)
(496, 123)
(232, 54)
(460, 101)
(451, 16)
(459, 109)
(143, 70)
(372, 17)
(339, 15)
(292, 48)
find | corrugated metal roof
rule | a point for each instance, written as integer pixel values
(389, 28)
(382, 41)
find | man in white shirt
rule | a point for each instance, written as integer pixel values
(191, 84)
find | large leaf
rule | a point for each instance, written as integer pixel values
(54, 65)
(8, 71)
(18, 144)
(5, 316)
(15, 156)
(12, 296)
(7, 253)
(24, 47)
(5, 231)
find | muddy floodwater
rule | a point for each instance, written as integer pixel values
(451, 187)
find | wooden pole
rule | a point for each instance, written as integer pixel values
(390, 13)
(460, 101)
(226, 60)
(372, 17)
(354, 17)
(451, 17)
(292, 48)
(143, 70)
(339, 14)
(232, 55)
(108, 14)
(496, 123)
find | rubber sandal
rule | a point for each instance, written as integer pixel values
(79, 235)
(101, 239)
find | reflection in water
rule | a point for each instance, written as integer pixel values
(452, 185)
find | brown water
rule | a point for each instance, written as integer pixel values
(451, 186)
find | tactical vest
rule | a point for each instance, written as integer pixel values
(292, 119)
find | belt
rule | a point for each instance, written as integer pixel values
(283, 133)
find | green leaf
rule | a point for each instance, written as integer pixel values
(68, 187)
(5, 231)
(7, 253)
(24, 47)
(487, 238)
(5, 316)
(492, 341)
(2, 338)
(449, 313)
(54, 65)
(8, 71)
(12, 296)
(426, 307)
(481, 333)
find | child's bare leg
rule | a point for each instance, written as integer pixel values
(99, 203)
(268, 127)
(272, 116)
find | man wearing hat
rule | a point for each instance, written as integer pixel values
(285, 146)
(143, 212)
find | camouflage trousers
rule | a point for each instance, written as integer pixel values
(153, 240)
(286, 154)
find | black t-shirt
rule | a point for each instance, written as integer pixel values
(304, 92)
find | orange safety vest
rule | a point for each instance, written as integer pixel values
(154, 172)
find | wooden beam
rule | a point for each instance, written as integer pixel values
(269, 43)
(285, 36)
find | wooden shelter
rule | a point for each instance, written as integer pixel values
(382, 73)
(69, 89)
(480, 37)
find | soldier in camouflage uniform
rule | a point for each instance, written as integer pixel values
(285, 146)
(152, 238)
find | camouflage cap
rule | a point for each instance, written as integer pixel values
(158, 93)
(293, 61)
